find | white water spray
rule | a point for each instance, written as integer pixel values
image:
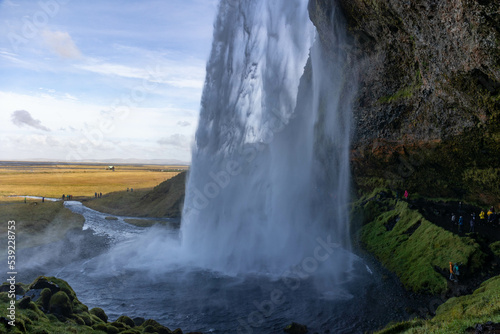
(269, 182)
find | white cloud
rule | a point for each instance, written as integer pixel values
(176, 140)
(61, 43)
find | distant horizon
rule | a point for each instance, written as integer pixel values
(117, 161)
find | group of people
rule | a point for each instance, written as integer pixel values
(97, 195)
(460, 222)
(484, 218)
(67, 197)
(491, 217)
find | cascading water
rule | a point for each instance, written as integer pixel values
(269, 181)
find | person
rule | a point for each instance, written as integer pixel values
(63, 197)
(482, 215)
(490, 213)
(460, 224)
(451, 272)
(406, 194)
(471, 230)
(453, 219)
(456, 271)
(43, 199)
(95, 195)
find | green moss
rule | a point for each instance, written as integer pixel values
(405, 92)
(458, 314)
(99, 313)
(61, 304)
(495, 248)
(126, 320)
(412, 247)
(44, 299)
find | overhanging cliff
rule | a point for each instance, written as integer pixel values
(427, 113)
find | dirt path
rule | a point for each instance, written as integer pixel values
(439, 213)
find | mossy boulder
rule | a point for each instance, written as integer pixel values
(99, 312)
(44, 300)
(61, 304)
(152, 326)
(126, 320)
(495, 248)
(19, 288)
(43, 282)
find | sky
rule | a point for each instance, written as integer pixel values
(102, 79)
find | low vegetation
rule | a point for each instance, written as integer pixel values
(38, 222)
(164, 200)
(459, 314)
(416, 250)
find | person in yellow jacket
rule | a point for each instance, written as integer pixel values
(490, 212)
(482, 215)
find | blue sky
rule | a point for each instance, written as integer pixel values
(102, 79)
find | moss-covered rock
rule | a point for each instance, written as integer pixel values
(99, 312)
(126, 320)
(61, 304)
(495, 248)
(44, 300)
(152, 326)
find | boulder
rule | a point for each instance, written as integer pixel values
(61, 304)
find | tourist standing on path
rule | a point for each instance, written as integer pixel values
(490, 214)
(453, 219)
(460, 224)
(406, 195)
(482, 216)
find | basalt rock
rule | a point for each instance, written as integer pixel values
(427, 111)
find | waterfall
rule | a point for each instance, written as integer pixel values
(268, 188)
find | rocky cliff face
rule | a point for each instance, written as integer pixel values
(427, 113)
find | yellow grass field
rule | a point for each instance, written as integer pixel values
(79, 180)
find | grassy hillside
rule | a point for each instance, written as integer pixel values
(458, 315)
(416, 250)
(164, 200)
(38, 222)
